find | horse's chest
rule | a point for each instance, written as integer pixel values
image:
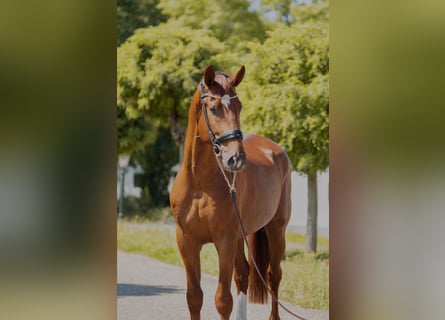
(202, 213)
(202, 209)
(189, 207)
(193, 220)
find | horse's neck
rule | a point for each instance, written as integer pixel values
(199, 161)
(200, 164)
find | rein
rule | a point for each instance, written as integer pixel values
(217, 151)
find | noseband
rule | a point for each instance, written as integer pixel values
(216, 142)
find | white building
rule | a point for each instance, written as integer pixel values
(129, 188)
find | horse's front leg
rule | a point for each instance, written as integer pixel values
(190, 251)
(241, 278)
(226, 249)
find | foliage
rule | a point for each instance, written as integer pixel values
(287, 93)
(157, 154)
(133, 206)
(135, 133)
(305, 276)
(306, 281)
(156, 160)
(315, 12)
(278, 9)
(230, 21)
(135, 14)
(295, 11)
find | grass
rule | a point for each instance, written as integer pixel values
(305, 281)
(296, 238)
(305, 276)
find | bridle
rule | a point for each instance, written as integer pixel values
(216, 142)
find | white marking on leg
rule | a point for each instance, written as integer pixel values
(241, 307)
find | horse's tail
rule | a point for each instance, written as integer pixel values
(260, 251)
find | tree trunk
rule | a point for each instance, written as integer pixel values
(312, 212)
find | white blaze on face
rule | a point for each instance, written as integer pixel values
(241, 307)
(225, 100)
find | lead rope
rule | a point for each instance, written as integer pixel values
(231, 185)
(243, 230)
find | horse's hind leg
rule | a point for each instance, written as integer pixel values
(277, 246)
(275, 231)
(241, 277)
(190, 251)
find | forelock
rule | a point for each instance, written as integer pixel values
(223, 80)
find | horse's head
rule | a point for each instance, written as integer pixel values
(219, 122)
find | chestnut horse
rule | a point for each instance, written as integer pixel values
(202, 205)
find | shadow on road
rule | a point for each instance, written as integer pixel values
(135, 290)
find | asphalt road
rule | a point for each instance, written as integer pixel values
(148, 289)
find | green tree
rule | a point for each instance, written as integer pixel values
(231, 21)
(276, 10)
(295, 11)
(313, 11)
(133, 134)
(135, 14)
(138, 136)
(156, 160)
(287, 99)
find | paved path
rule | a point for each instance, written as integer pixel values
(148, 289)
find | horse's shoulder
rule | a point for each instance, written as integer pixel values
(180, 189)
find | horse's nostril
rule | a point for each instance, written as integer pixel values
(231, 162)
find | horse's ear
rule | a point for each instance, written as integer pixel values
(238, 77)
(209, 76)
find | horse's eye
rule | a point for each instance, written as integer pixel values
(214, 110)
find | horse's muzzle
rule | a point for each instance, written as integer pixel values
(237, 162)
